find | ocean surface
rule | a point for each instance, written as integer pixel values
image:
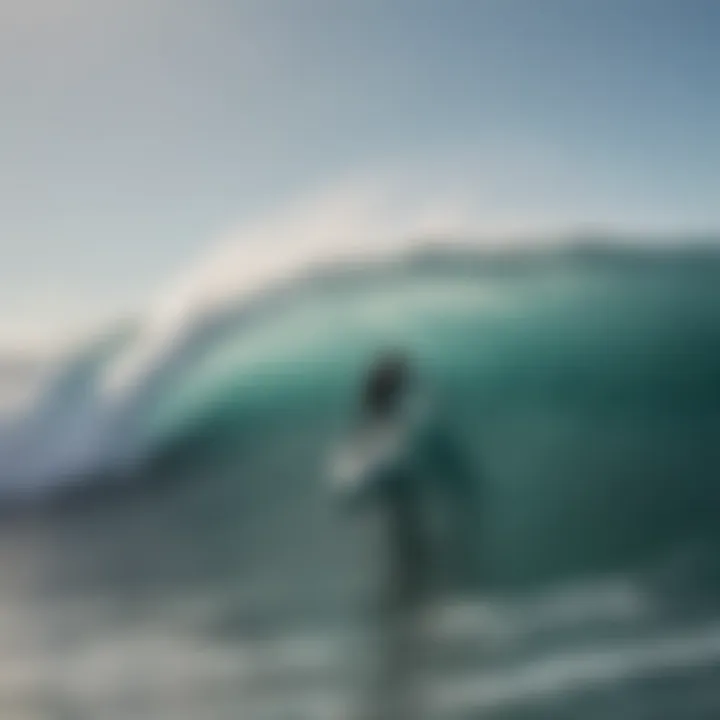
(169, 548)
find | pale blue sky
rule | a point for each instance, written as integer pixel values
(134, 132)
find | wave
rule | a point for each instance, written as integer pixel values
(582, 380)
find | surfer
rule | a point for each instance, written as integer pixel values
(402, 467)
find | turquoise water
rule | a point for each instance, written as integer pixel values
(199, 568)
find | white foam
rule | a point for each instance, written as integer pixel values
(562, 674)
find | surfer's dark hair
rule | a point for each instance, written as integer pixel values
(386, 383)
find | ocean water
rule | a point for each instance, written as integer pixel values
(169, 547)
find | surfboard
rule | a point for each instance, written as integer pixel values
(370, 453)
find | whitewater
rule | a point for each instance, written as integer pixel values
(170, 549)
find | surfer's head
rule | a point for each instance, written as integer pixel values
(387, 382)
